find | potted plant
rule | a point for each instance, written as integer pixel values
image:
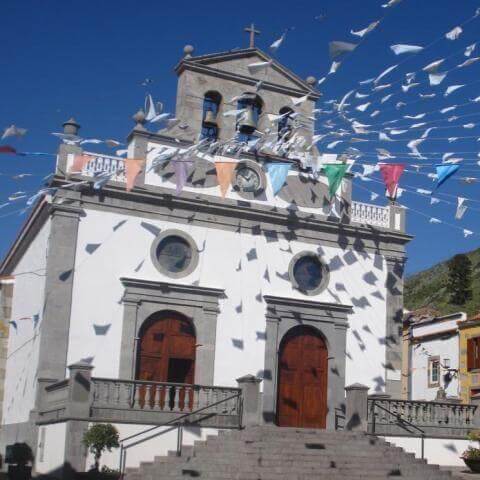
(471, 456)
(99, 438)
(19, 456)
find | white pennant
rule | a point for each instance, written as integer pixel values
(461, 208)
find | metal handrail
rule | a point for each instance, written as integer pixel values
(181, 418)
(400, 422)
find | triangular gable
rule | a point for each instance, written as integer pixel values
(236, 63)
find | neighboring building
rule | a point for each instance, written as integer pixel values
(431, 357)
(470, 358)
(187, 287)
(6, 293)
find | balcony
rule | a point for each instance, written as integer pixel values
(101, 164)
(87, 398)
(391, 217)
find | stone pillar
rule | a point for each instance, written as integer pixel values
(397, 217)
(60, 269)
(79, 402)
(356, 407)
(394, 326)
(250, 386)
(70, 127)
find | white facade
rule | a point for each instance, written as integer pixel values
(434, 357)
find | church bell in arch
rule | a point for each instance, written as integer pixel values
(247, 122)
(210, 119)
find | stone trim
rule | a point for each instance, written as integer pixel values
(60, 273)
(143, 298)
(326, 273)
(193, 247)
(203, 61)
(330, 320)
(212, 212)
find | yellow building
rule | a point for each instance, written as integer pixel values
(469, 370)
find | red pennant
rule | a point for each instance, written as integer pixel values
(391, 173)
(7, 149)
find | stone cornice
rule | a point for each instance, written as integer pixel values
(200, 62)
(293, 303)
(138, 283)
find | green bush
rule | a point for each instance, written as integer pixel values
(473, 453)
(100, 437)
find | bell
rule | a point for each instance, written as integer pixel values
(210, 119)
(247, 122)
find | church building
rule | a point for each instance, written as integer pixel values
(148, 285)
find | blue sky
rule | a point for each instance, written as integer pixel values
(88, 59)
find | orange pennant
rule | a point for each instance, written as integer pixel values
(224, 175)
(133, 167)
(79, 162)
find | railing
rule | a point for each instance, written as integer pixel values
(105, 164)
(406, 417)
(368, 214)
(179, 424)
(163, 397)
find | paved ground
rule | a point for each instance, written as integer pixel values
(462, 472)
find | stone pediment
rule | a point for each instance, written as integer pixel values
(235, 64)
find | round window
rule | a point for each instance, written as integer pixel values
(309, 274)
(174, 254)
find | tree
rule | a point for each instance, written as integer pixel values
(100, 437)
(460, 279)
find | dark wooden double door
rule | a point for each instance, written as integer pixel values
(302, 380)
(166, 353)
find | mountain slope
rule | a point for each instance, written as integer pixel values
(428, 288)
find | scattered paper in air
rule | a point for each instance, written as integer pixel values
(454, 34)
(365, 31)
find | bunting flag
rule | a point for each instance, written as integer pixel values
(444, 172)
(181, 171)
(461, 208)
(7, 149)
(79, 162)
(391, 173)
(278, 172)
(224, 175)
(132, 168)
(335, 173)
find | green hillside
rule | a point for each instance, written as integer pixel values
(428, 288)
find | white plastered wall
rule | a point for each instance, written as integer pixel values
(355, 279)
(50, 448)
(23, 342)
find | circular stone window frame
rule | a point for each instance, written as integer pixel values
(193, 246)
(261, 175)
(325, 278)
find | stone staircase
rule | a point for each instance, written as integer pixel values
(272, 453)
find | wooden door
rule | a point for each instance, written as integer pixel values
(166, 352)
(302, 380)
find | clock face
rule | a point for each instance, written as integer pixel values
(247, 179)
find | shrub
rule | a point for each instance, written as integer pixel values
(100, 437)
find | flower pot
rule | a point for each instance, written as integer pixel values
(473, 464)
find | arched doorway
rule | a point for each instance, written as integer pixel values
(302, 379)
(166, 351)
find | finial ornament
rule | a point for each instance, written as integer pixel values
(71, 127)
(188, 50)
(139, 119)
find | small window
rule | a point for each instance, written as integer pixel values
(308, 273)
(434, 372)
(446, 362)
(473, 353)
(174, 253)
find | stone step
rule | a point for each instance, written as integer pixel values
(272, 453)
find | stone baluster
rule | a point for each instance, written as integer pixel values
(137, 396)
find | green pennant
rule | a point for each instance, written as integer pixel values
(335, 173)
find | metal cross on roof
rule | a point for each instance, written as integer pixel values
(251, 30)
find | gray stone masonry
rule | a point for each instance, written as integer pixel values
(356, 419)
(272, 453)
(252, 407)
